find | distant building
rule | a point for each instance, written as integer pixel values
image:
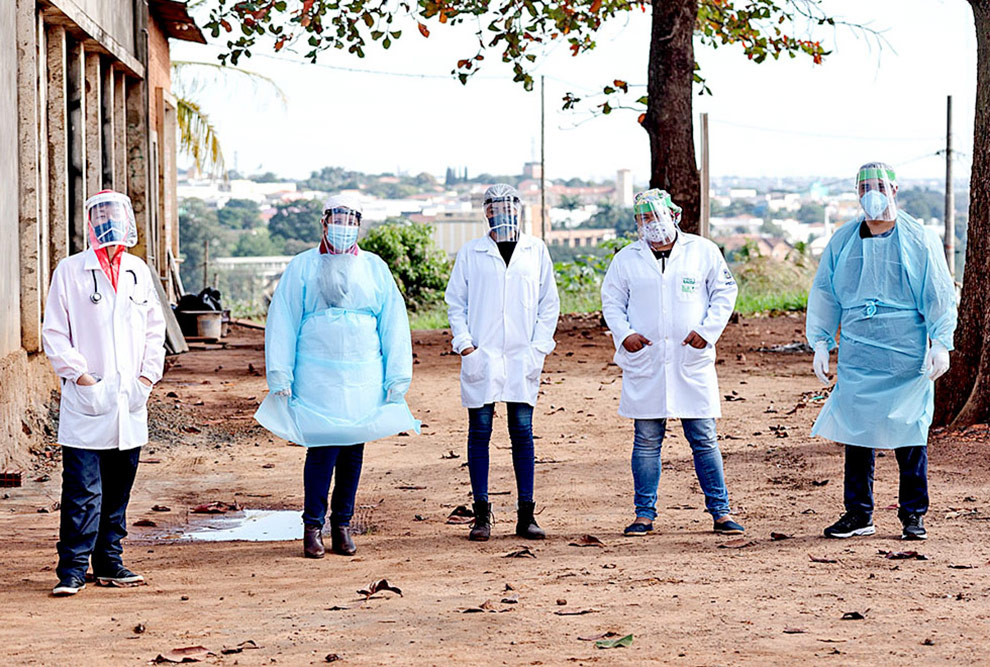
(86, 106)
(579, 238)
(623, 188)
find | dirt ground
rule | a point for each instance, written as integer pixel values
(684, 598)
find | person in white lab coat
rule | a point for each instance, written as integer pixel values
(666, 299)
(104, 334)
(502, 305)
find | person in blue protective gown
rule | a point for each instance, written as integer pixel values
(883, 285)
(338, 356)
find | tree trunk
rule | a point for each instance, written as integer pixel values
(669, 116)
(962, 397)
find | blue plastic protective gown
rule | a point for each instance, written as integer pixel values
(340, 362)
(890, 295)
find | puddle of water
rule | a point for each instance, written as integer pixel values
(248, 526)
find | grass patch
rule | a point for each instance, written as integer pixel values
(581, 301)
(753, 301)
(429, 317)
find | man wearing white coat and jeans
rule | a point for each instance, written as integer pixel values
(666, 299)
(503, 307)
(104, 334)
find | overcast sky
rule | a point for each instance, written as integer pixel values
(776, 119)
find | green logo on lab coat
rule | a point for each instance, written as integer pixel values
(689, 285)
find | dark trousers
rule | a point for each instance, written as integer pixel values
(96, 486)
(913, 494)
(322, 463)
(520, 435)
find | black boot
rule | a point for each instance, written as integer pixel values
(313, 541)
(481, 529)
(341, 542)
(526, 525)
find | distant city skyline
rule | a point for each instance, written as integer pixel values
(398, 110)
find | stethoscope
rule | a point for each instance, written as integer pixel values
(96, 297)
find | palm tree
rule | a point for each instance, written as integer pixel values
(198, 136)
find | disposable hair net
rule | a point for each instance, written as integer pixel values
(342, 218)
(110, 220)
(657, 216)
(876, 184)
(502, 209)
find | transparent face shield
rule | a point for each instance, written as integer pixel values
(341, 226)
(503, 218)
(110, 220)
(876, 185)
(654, 222)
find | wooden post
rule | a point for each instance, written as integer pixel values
(705, 210)
(950, 198)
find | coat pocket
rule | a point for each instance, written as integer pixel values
(138, 397)
(473, 366)
(92, 400)
(635, 364)
(534, 360)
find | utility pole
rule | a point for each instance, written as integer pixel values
(950, 199)
(544, 223)
(206, 262)
(705, 180)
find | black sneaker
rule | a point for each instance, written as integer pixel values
(637, 529)
(728, 527)
(68, 586)
(119, 577)
(914, 527)
(851, 524)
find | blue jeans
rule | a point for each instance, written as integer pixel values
(322, 463)
(913, 493)
(520, 434)
(96, 486)
(700, 433)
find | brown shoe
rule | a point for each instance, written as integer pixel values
(313, 541)
(341, 542)
(481, 530)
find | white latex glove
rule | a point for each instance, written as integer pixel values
(936, 361)
(287, 392)
(821, 362)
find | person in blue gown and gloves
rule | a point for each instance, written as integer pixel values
(883, 279)
(338, 356)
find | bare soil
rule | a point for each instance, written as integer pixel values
(687, 596)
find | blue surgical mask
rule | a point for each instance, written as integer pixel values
(874, 204)
(342, 237)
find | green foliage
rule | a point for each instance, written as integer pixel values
(922, 203)
(518, 31)
(240, 214)
(569, 202)
(752, 301)
(257, 243)
(420, 268)
(771, 228)
(297, 221)
(197, 224)
(610, 216)
(767, 285)
(810, 213)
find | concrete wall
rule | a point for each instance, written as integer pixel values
(116, 17)
(10, 308)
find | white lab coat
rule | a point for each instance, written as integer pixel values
(695, 293)
(509, 314)
(118, 340)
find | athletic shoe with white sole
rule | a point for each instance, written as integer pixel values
(851, 524)
(68, 586)
(120, 577)
(914, 527)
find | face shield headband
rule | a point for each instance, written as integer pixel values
(342, 227)
(110, 220)
(503, 218)
(656, 217)
(876, 184)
